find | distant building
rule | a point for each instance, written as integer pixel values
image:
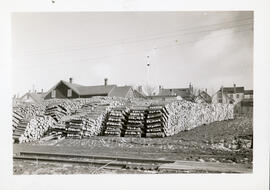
(231, 95)
(33, 97)
(241, 98)
(248, 94)
(71, 90)
(138, 94)
(203, 97)
(245, 106)
(177, 93)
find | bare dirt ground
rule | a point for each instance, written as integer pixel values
(224, 141)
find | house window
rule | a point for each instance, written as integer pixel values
(220, 101)
(69, 93)
(53, 93)
(237, 95)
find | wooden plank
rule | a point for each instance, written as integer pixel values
(206, 166)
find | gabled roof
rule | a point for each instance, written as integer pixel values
(248, 92)
(206, 97)
(37, 97)
(138, 94)
(230, 90)
(86, 90)
(121, 91)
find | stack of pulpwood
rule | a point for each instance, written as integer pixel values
(135, 126)
(56, 111)
(95, 122)
(86, 122)
(30, 110)
(18, 125)
(156, 121)
(184, 115)
(58, 130)
(74, 128)
(115, 122)
(36, 128)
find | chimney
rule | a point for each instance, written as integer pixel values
(70, 80)
(206, 90)
(105, 82)
(190, 88)
(234, 88)
(140, 88)
(42, 90)
(159, 88)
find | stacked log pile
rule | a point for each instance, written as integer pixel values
(116, 121)
(136, 122)
(57, 111)
(18, 125)
(30, 110)
(157, 121)
(36, 128)
(95, 122)
(85, 122)
(184, 115)
(58, 129)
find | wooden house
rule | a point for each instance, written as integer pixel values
(231, 95)
(71, 90)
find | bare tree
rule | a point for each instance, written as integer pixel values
(150, 90)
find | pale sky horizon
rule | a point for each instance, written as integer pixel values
(207, 49)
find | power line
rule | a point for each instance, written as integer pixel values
(124, 42)
(158, 48)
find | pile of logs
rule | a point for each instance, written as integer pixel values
(115, 121)
(157, 121)
(74, 128)
(18, 125)
(85, 122)
(58, 129)
(30, 110)
(57, 111)
(136, 122)
(36, 128)
(184, 115)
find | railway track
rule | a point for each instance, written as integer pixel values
(109, 162)
(112, 162)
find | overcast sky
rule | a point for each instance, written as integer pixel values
(208, 49)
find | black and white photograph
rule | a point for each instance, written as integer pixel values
(132, 92)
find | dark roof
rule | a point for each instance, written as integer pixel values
(185, 93)
(230, 90)
(138, 94)
(90, 90)
(120, 91)
(109, 90)
(206, 97)
(248, 92)
(166, 92)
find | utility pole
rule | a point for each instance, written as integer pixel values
(148, 70)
